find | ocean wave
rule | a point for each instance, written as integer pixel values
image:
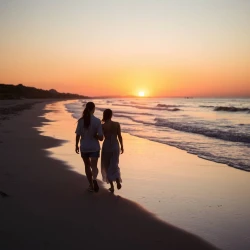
(171, 133)
(116, 112)
(231, 109)
(122, 105)
(174, 109)
(100, 109)
(167, 105)
(206, 106)
(214, 156)
(150, 108)
(132, 113)
(158, 108)
(133, 119)
(141, 103)
(215, 133)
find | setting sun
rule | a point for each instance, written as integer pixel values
(141, 93)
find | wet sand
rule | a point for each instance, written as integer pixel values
(47, 206)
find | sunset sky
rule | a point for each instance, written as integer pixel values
(123, 47)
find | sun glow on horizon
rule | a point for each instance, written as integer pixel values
(141, 94)
(116, 49)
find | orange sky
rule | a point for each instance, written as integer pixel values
(164, 48)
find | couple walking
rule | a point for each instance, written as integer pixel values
(89, 132)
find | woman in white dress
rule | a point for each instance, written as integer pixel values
(111, 151)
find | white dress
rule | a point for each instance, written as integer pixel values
(110, 157)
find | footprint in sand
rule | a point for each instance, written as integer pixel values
(4, 195)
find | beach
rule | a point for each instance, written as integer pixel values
(174, 75)
(46, 205)
(203, 197)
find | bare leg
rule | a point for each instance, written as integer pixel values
(111, 189)
(93, 165)
(95, 171)
(88, 171)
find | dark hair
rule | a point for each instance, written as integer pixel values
(86, 115)
(107, 114)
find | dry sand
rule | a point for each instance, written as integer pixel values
(47, 206)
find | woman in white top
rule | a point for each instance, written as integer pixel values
(111, 150)
(89, 132)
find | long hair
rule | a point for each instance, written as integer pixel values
(107, 114)
(86, 114)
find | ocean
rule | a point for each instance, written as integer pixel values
(214, 129)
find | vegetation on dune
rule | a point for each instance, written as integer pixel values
(8, 91)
